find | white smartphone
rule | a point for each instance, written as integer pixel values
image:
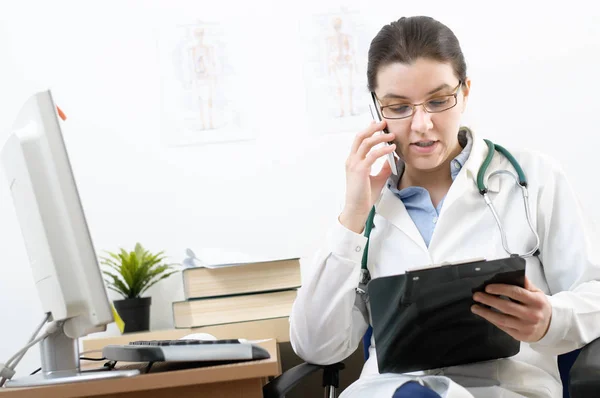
(377, 117)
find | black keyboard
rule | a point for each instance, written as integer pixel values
(181, 342)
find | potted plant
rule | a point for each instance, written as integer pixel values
(130, 274)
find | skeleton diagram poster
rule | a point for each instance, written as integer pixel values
(335, 61)
(199, 93)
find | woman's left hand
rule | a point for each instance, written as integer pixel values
(526, 319)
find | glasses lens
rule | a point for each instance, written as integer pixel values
(398, 111)
(440, 104)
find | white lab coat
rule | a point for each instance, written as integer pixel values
(326, 326)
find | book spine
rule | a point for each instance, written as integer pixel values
(249, 293)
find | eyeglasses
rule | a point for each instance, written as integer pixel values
(433, 105)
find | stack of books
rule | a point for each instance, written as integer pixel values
(233, 293)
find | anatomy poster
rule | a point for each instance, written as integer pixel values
(335, 59)
(198, 86)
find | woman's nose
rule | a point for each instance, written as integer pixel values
(421, 120)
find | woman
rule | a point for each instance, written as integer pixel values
(432, 212)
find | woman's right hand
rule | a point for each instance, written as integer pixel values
(363, 189)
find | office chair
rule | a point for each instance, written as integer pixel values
(579, 372)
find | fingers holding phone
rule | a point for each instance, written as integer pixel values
(362, 189)
(366, 141)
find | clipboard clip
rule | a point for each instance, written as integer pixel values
(445, 264)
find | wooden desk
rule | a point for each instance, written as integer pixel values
(244, 379)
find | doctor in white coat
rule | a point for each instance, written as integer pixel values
(432, 212)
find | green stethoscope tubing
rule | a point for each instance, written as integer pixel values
(521, 181)
(488, 160)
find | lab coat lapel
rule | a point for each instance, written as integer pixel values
(466, 179)
(392, 209)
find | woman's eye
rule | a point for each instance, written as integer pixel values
(437, 102)
(399, 108)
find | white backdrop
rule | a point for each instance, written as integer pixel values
(535, 85)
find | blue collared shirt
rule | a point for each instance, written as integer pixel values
(417, 200)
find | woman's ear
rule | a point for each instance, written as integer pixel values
(466, 89)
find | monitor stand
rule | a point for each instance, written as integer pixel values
(60, 364)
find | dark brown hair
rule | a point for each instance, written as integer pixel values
(408, 39)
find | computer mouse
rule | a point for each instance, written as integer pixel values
(198, 336)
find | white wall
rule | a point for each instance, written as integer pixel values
(533, 85)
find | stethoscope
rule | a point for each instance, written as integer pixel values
(520, 180)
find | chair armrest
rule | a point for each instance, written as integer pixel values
(584, 380)
(282, 384)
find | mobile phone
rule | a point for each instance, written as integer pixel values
(376, 115)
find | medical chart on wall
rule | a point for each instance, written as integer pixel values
(335, 49)
(198, 85)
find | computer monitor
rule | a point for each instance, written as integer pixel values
(60, 250)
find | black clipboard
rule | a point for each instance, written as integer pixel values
(422, 319)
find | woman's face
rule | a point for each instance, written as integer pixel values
(425, 141)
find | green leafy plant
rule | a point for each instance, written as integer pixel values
(132, 273)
